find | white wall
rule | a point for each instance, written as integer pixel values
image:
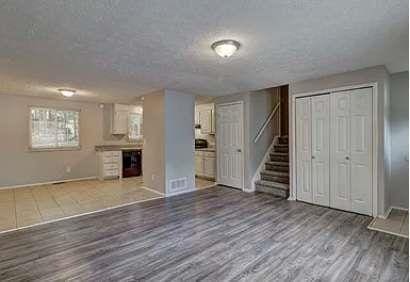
(179, 136)
(20, 166)
(399, 114)
(153, 158)
(377, 74)
(168, 140)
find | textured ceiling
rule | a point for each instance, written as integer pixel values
(119, 49)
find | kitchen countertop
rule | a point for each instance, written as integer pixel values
(101, 148)
(205, 149)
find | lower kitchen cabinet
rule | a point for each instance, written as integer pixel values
(109, 164)
(205, 164)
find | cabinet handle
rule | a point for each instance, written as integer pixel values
(347, 158)
(313, 157)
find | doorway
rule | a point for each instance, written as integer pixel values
(205, 132)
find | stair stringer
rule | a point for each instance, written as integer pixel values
(266, 157)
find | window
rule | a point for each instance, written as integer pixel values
(54, 129)
(134, 126)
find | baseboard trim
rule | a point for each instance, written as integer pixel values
(181, 192)
(386, 214)
(399, 208)
(388, 211)
(48, 182)
(153, 190)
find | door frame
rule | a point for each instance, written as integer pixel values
(375, 133)
(217, 134)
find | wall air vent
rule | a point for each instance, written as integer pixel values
(178, 184)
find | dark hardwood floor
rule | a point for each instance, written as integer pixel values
(216, 234)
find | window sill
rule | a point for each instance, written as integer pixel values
(54, 149)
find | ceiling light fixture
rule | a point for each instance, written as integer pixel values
(225, 48)
(67, 92)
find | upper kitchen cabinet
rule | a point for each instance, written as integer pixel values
(119, 123)
(127, 120)
(205, 116)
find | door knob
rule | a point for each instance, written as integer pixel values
(313, 157)
(347, 158)
(238, 150)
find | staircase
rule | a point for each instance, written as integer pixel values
(274, 179)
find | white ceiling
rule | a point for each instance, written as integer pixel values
(119, 49)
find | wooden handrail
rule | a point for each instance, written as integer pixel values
(265, 124)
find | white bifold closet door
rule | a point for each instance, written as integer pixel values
(304, 190)
(320, 150)
(351, 150)
(312, 149)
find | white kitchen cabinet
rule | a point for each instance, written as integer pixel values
(119, 123)
(109, 164)
(205, 116)
(205, 164)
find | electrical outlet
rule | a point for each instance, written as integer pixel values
(68, 169)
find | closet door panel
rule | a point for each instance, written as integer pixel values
(361, 150)
(303, 150)
(340, 151)
(320, 150)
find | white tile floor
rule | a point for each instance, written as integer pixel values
(22, 207)
(397, 223)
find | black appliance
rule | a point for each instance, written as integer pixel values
(131, 163)
(201, 143)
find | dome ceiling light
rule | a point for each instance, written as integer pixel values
(225, 48)
(67, 92)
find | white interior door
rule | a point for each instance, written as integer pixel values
(303, 150)
(361, 150)
(229, 139)
(320, 150)
(351, 161)
(340, 150)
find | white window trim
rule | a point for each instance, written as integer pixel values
(128, 134)
(74, 148)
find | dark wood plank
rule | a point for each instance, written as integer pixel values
(216, 234)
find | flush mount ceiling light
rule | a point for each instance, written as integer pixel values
(67, 92)
(225, 48)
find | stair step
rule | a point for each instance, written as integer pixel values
(283, 139)
(277, 185)
(278, 163)
(274, 188)
(269, 166)
(279, 153)
(268, 177)
(279, 157)
(281, 145)
(276, 173)
(280, 149)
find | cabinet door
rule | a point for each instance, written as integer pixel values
(205, 119)
(320, 150)
(361, 150)
(199, 166)
(120, 122)
(209, 166)
(340, 150)
(303, 150)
